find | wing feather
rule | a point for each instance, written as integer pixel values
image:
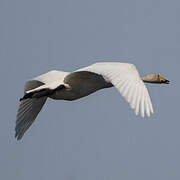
(23, 110)
(138, 101)
(142, 103)
(130, 94)
(126, 91)
(28, 111)
(147, 107)
(134, 97)
(123, 87)
(150, 103)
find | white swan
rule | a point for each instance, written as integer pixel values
(71, 86)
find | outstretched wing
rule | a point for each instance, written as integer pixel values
(28, 109)
(126, 79)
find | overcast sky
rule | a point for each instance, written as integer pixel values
(97, 137)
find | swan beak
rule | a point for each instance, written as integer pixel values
(164, 81)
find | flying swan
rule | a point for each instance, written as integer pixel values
(61, 85)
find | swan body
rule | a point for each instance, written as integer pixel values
(61, 85)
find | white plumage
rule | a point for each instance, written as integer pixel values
(71, 86)
(126, 79)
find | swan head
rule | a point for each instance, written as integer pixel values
(155, 78)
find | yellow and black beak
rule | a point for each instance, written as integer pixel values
(163, 80)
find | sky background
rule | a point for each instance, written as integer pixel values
(97, 137)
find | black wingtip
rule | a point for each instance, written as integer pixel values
(18, 135)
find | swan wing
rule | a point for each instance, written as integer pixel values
(127, 80)
(28, 109)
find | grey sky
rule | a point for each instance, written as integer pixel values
(97, 137)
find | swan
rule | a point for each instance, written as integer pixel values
(69, 86)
